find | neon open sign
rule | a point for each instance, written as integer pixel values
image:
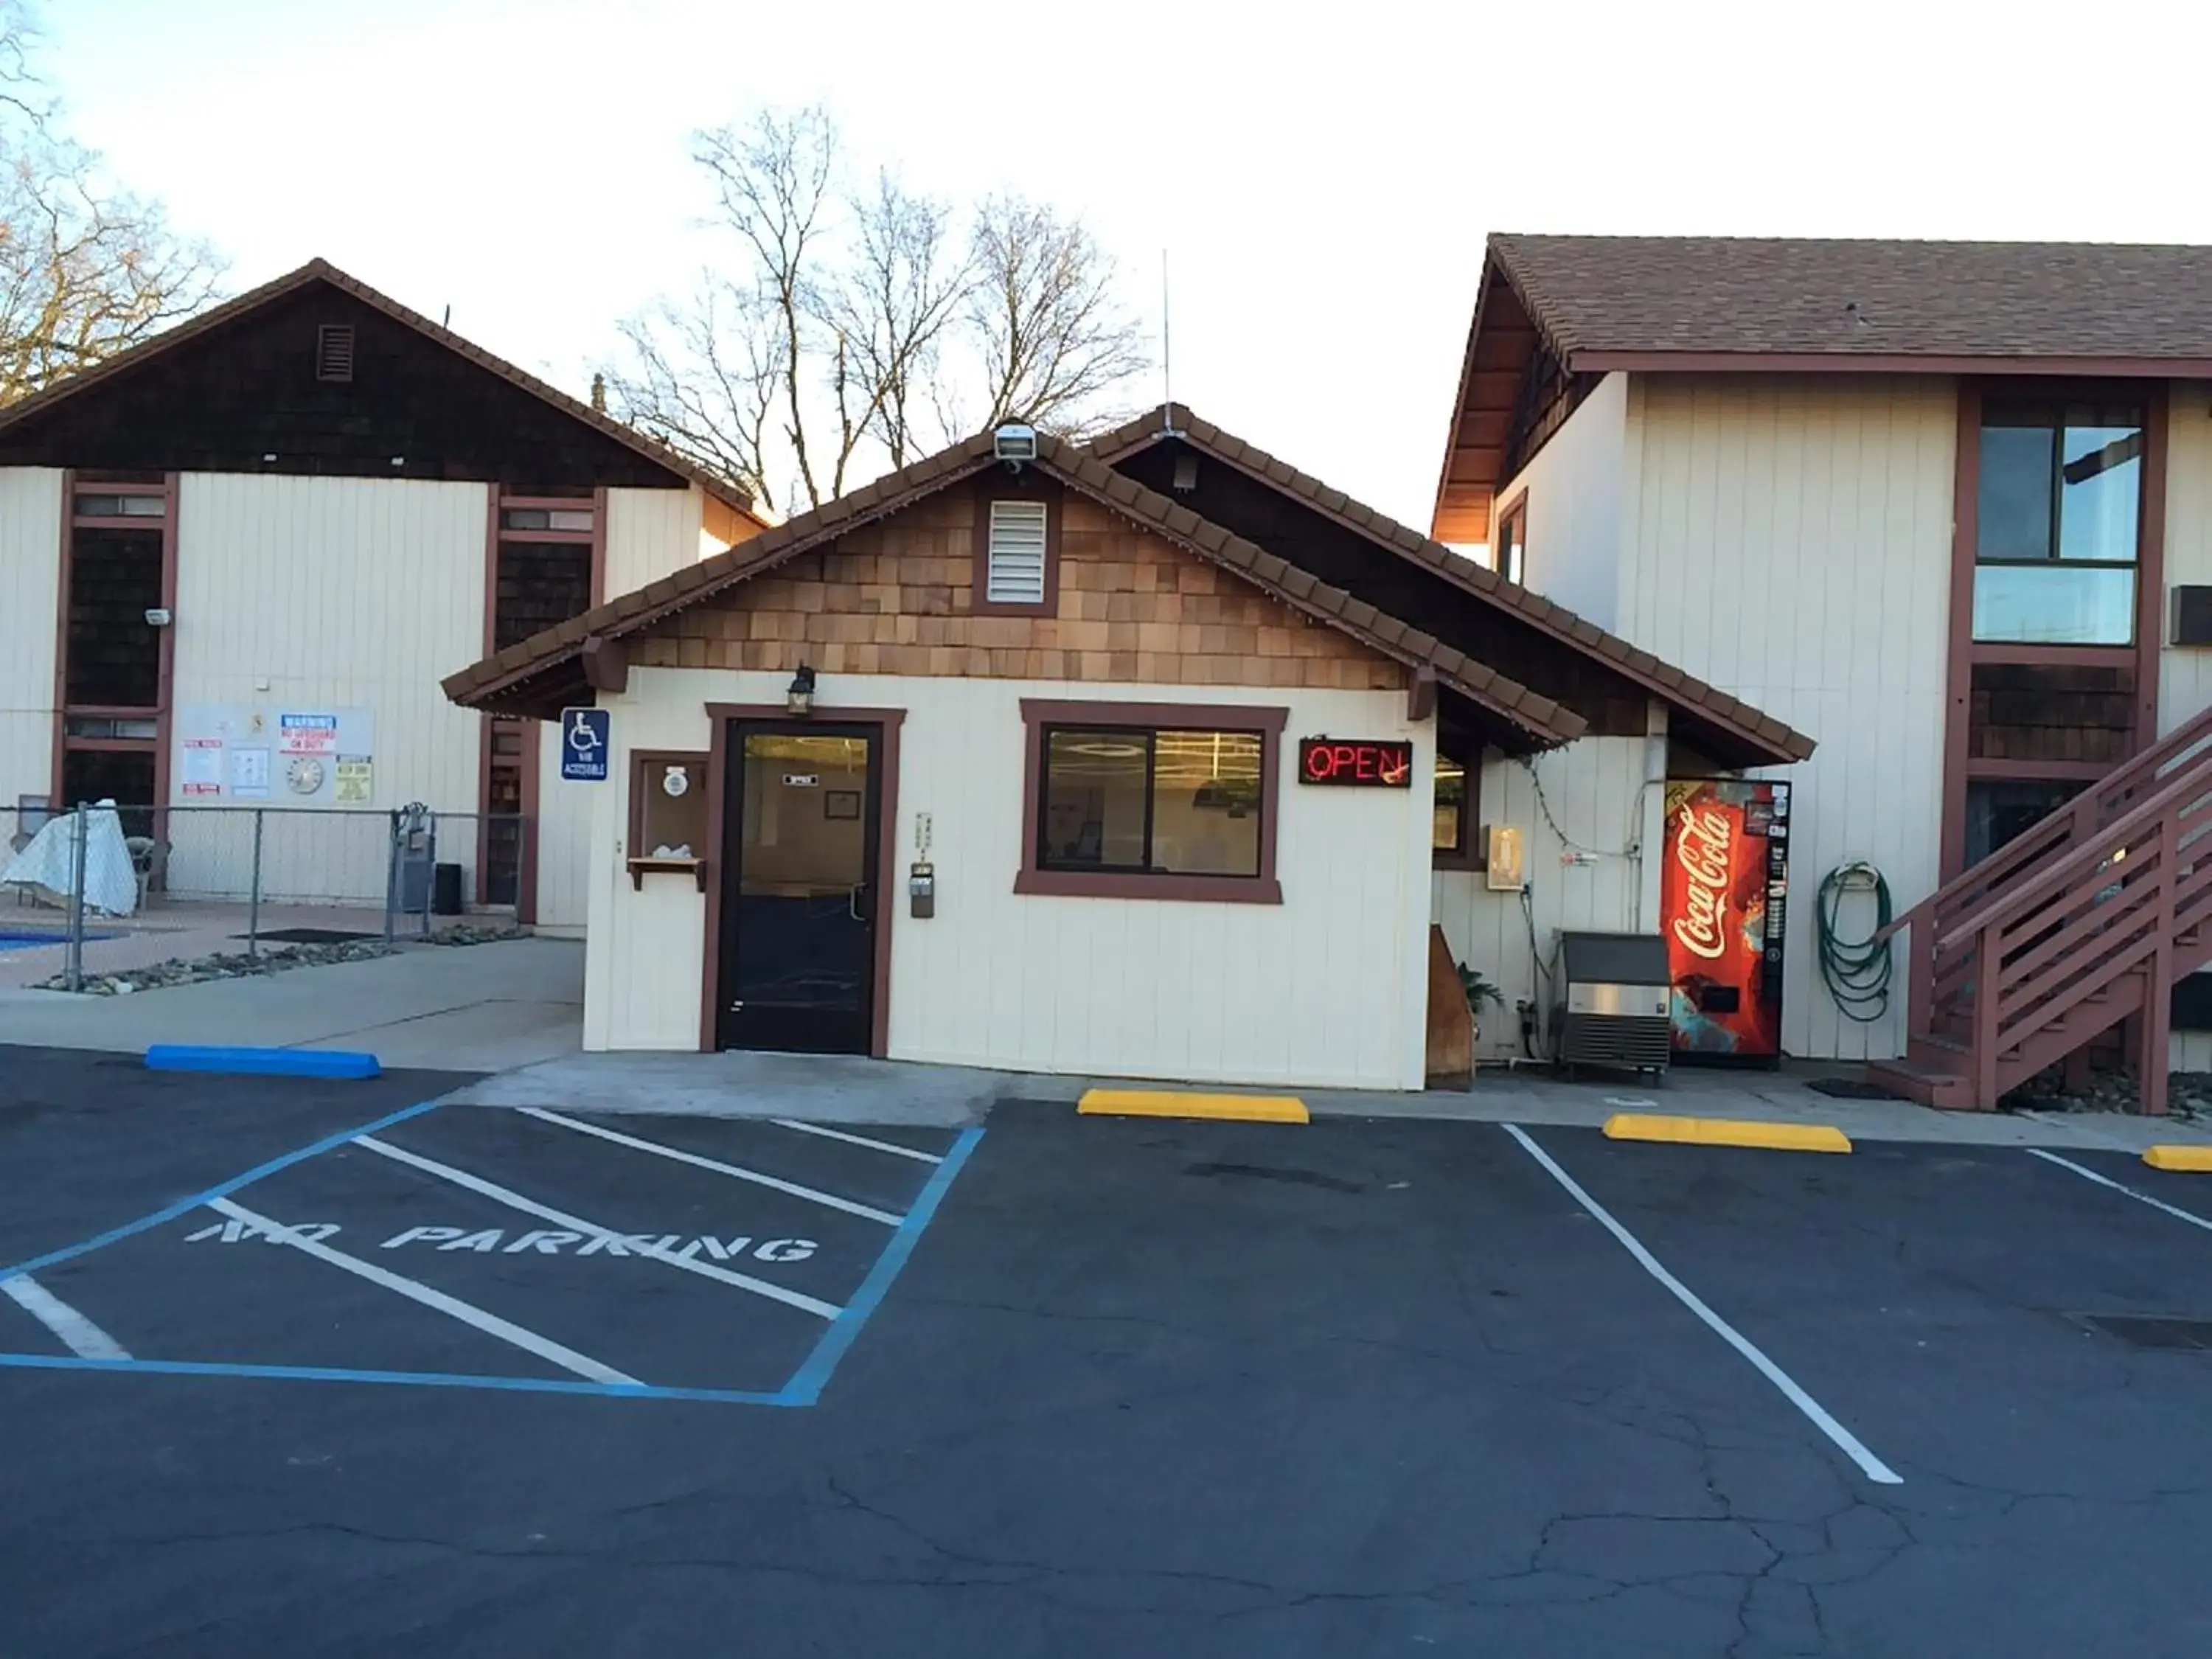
(1364, 764)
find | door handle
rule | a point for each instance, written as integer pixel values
(853, 901)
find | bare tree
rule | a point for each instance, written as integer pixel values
(864, 327)
(1053, 336)
(892, 309)
(86, 269)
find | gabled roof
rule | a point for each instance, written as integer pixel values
(1759, 734)
(2122, 307)
(536, 674)
(1576, 308)
(321, 271)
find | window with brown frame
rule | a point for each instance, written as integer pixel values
(1145, 800)
(668, 812)
(1451, 836)
(1509, 547)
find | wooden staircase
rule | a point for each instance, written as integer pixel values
(2077, 927)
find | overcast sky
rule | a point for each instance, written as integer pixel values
(1322, 175)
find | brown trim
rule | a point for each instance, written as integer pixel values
(889, 720)
(599, 548)
(995, 486)
(61, 638)
(116, 747)
(1269, 721)
(2150, 567)
(1421, 695)
(700, 759)
(1982, 770)
(1472, 853)
(2057, 656)
(164, 693)
(1958, 667)
(1843, 362)
(606, 665)
(491, 569)
(1498, 515)
(526, 832)
(1966, 652)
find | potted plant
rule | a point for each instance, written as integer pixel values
(1478, 991)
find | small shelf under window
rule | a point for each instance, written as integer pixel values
(668, 816)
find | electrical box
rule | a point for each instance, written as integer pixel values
(1503, 866)
(921, 890)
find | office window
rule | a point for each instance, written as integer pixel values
(1509, 547)
(1147, 801)
(2058, 523)
(1453, 805)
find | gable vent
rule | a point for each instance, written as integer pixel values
(1017, 554)
(334, 352)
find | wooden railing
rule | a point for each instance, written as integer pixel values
(1932, 990)
(2092, 934)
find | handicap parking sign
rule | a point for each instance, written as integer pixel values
(584, 745)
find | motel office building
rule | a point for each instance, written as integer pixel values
(235, 561)
(1153, 757)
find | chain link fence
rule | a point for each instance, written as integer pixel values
(100, 866)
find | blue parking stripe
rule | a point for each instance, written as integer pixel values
(813, 1375)
(186, 1206)
(418, 1379)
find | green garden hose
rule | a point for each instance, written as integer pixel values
(1856, 971)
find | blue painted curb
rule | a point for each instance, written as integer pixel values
(262, 1062)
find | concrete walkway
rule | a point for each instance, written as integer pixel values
(462, 1008)
(844, 1089)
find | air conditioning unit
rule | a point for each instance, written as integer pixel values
(1610, 1006)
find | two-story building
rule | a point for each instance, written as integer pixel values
(235, 561)
(1948, 509)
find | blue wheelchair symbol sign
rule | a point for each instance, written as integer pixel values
(584, 745)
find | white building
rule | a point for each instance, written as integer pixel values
(1123, 760)
(1948, 509)
(235, 561)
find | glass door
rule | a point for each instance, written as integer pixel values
(799, 900)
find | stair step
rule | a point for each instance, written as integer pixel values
(1930, 1087)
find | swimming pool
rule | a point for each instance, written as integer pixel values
(32, 941)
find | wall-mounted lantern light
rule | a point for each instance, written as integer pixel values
(799, 696)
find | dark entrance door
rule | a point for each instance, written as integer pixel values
(800, 898)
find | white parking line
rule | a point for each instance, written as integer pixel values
(854, 1140)
(1847, 1442)
(693, 1158)
(491, 1324)
(79, 1334)
(515, 1201)
(2105, 1180)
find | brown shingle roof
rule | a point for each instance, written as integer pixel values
(1546, 722)
(321, 271)
(1759, 730)
(1594, 296)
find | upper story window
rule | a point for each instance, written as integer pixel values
(1509, 547)
(1450, 809)
(2058, 522)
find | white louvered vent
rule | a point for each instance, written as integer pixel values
(1017, 562)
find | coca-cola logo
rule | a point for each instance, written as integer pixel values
(1702, 846)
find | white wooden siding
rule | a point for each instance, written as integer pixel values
(1573, 486)
(1326, 988)
(1791, 544)
(1596, 791)
(2185, 672)
(30, 574)
(651, 533)
(298, 593)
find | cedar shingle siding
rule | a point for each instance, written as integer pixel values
(897, 597)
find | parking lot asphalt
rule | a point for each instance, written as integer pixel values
(1074, 1387)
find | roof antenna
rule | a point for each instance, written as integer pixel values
(449, 323)
(1167, 357)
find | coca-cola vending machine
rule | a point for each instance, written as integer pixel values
(1726, 877)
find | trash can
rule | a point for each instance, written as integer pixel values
(445, 891)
